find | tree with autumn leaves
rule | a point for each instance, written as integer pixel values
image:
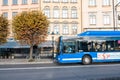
(30, 27)
(4, 23)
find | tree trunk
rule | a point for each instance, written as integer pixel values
(31, 53)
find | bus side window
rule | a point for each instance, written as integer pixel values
(84, 46)
(97, 46)
(90, 46)
(103, 46)
(117, 45)
(110, 45)
(79, 46)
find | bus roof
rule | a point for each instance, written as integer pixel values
(100, 33)
(68, 37)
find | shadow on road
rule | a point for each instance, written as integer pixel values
(111, 78)
(74, 64)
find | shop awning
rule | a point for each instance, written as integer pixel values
(47, 44)
(13, 44)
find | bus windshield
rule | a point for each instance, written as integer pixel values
(68, 46)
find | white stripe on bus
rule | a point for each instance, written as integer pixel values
(71, 59)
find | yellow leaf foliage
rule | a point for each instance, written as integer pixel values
(31, 27)
(3, 29)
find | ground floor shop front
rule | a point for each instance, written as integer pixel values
(22, 53)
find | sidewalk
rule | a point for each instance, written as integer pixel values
(24, 61)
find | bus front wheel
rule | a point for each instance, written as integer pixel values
(86, 60)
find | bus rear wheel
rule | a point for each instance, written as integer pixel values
(86, 60)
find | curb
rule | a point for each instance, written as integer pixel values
(12, 62)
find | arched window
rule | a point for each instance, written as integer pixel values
(64, 1)
(73, 12)
(74, 28)
(56, 12)
(73, 1)
(64, 12)
(55, 1)
(46, 1)
(5, 14)
(5, 2)
(34, 1)
(24, 1)
(65, 29)
(47, 11)
(92, 2)
(14, 2)
(56, 28)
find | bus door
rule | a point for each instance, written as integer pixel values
(69, 51)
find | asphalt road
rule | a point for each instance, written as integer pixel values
(60, 72)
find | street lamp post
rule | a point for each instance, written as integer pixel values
(52, 44)
(113, 14)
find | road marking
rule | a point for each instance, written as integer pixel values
(57, 67)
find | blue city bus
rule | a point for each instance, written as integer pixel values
(89, 47)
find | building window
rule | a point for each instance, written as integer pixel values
(46, 1)
(92, 19)
(56, 12)
(118, 1)
(118, 17)
(5, 2)
(56, 29)
(48, 30)
(106, 19)
(92, 2)
(74, 29)
(106, 2)
(73, 12)
(65, 1)
(24, 1)
(64, 12)
(5, 14)
(34, 1)
(73, 1)
(14, 2)
(55, 1)
(14, 14)
(47, 11)
(65, 29)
